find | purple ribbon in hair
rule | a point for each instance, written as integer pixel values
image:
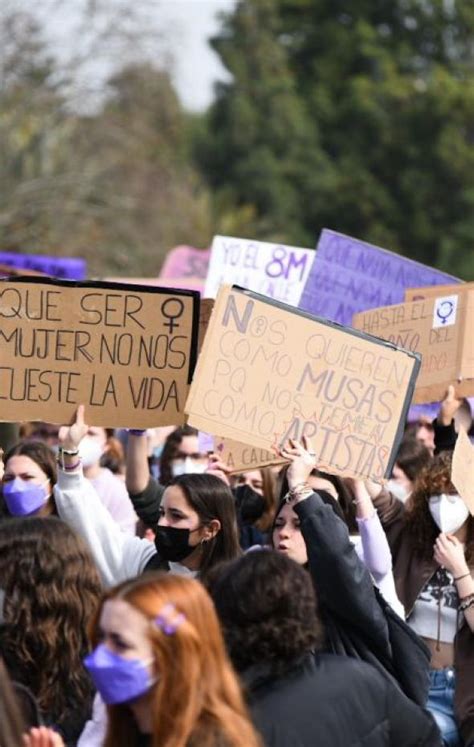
(169, 625)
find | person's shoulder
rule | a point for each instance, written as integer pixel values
(349, 668)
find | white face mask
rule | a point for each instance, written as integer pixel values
(449, 512)
(90, 451)
(188, 466)
(398, 490)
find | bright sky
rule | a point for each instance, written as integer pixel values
(196, 65)
(184, 25)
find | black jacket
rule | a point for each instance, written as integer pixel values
(335, 701)
(357, 622)
(147, 503)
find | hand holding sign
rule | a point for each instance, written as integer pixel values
(303, 461)
(449, 406)
(218, 468)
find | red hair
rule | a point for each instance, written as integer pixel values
(197, 699)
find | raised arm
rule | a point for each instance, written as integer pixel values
(117, 555)
(444, 432)
(375, 547)
(137, 473)
(343, 583)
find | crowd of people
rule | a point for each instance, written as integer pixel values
(149, 597)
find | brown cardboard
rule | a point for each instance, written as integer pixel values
(462, 475)
(205, 311)
(434, 291)
(242, 458)
(125, 352)
(447, 351)
(268, 372)
(8, 271)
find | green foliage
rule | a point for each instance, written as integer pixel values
(117, 186)
(357, 116)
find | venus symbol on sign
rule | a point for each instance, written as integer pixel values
(444, 311)
(170, 314)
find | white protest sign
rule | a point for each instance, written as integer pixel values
(274, 270)
(444, 312)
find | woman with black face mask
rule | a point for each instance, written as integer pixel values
(196, 529)
(256, 501)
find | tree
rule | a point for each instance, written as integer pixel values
(357, 116)
(146, 193)
(113, 182)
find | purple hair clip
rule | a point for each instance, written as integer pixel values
(168, 624)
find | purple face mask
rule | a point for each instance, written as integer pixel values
(118, 680)
(23, 498)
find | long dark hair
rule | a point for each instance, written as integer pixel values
(434, 479)
(51, 589)
(171, 451)
(11, 722)
(268, 611)
(210, 497)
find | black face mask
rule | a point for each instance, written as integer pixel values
(250, 504)
(172, 543)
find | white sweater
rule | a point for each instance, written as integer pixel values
(118, 556)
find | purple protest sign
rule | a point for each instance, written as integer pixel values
(186, 262)
(349, 275)
(66, 268)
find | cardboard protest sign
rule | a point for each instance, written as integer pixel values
(126, 352)
(205, 311)
(6, 271)
(243, 458)
(440, 329)
(238, 457)
(67, 268)
(269, 372)
(186, 262)
(275, 270)
(349, 275)
(432, 291)
(462, 475)
(195, 284)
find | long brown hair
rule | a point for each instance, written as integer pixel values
(11, 724)
(434, 479)
(269, 487)
(197, 699)
(51, 589)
